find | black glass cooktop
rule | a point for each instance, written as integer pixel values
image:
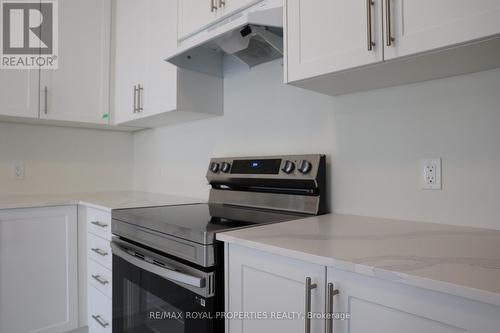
(199, 222)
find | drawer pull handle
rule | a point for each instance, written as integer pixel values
(101, 321)
(140, 91)
(100, 252)
(369, 5)
(331, 292)
(100, 279)
(46, 101)
(307, 319)
(388, 25)
(99, 224)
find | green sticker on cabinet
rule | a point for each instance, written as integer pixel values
(104, 116)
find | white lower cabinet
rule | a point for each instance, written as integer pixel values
(100, 278)
(99, 271)
(379, 306)
(99, 250)
(38, 270)
(265, 283)
(261, 282)
(100, 312)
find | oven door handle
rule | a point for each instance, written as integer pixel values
(166, 273)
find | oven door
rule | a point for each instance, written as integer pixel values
(152, 293)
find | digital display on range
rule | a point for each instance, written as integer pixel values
(259, 167)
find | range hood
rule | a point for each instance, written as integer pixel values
(253, 35)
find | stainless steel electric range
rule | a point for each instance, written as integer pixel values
(168, 268)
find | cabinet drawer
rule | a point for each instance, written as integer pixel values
(100, 312)
(99, 250)
(99, 223)
(100, 277)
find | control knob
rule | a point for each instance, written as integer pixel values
(288, 167)
(225, 167)
(304, 167)
(214, 167)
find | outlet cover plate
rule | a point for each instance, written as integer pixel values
(18, 170)
(430, 174)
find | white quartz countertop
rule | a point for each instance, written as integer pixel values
(456, 260)
(100, 200)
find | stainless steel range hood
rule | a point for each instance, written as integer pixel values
(253, 35)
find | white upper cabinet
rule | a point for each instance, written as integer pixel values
(147, 90)
(228, 7)
(129, 49)
(78, 91)
(19, 93)
(423, 25)
(195, 15)
(331, 35)
(160, 81)
(338, 47)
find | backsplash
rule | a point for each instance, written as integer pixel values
(64, 160)
(374, 141)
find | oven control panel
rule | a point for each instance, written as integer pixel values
(290, 166)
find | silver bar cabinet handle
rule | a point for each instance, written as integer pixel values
(135, 99)
(99, 224)
(213, 6)
(46, 101)
(101, 321)
(331, 292)
(307, 319)
(100, 252)
(140, 89)
(99, 279)
(371, 44)
(388, 26)
(222, 3)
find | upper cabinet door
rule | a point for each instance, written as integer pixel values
(231, 6)
(159, 93)
(194, 15)
(326, 36)
(130, 40)
(423, 25)
(19, 93)
(78, 91)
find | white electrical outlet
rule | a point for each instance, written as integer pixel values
(18, 170)
(430, 174)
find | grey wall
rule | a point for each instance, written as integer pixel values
(373, 140)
